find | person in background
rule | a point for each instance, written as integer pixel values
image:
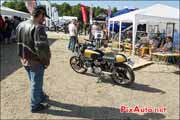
(176, 41)
(142, 45)
(2, 27)
(167, 46)
(66, 27)
(143, 42)
(128, 39)
(78, 27)
(105, 37)
(15, 23)
(8, 29)
(153, 45)
(94, 28)
(34, 52)
(73, 35)
(85, 28)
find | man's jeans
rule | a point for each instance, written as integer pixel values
(35, 74)
(72, 43)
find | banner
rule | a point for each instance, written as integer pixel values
(90, 15)
(30, 5)
(84, 15)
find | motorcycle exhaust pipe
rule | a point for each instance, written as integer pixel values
(108, 73)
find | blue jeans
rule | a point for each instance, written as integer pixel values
(72, 43)
(35, 74)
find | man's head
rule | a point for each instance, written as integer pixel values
(145, 34)
(15, 17)
(39, 13)
(74, 21)
(95, 23)
(168, 39)
(6, 18)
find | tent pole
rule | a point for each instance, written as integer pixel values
(134, 35)
(112, 36)
(108, 27)
(109, 23)
(147, 29)
(113, 27)
(119, 34)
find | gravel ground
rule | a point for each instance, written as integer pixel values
(76, 96)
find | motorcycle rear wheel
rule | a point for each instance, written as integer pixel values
(123, 75)
(77, 65)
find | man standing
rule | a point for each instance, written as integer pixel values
(8, 30)
(94, 29)
(2, 26)
(73, 35)
(34, 53)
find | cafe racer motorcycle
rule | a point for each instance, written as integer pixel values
(116, 66)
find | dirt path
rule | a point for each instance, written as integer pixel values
(78, 96)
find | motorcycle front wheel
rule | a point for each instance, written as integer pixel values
(77, 65)
(123, 75)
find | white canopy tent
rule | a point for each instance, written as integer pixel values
(154, 14)
(12, 12)
(68, 18)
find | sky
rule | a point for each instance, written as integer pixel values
(120, 4)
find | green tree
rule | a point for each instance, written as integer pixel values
(66, 10)
(97, 11)
(76, 11)
(114, 10)
(21, 7)
(9, 4)
(16, 4)
(58, 8)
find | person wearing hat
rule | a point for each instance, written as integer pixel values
(34, 52)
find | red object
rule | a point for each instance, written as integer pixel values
(2, 23)
(84, 14)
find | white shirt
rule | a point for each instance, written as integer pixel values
(168, 45)
(94, 29)
(72, 30)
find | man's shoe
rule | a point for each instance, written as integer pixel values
(40, 108)
(45, 98)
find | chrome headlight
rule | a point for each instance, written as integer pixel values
(130, 62)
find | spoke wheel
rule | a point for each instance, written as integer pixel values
(77, 65)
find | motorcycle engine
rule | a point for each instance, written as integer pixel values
(97, 70)
(97, 63)
(88, 64)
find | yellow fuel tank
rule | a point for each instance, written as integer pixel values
(88, 53)
(120, 58)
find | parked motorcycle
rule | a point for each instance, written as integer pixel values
(114, 65)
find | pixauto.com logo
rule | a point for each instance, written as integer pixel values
(138, 109)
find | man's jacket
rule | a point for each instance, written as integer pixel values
(33, 44)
